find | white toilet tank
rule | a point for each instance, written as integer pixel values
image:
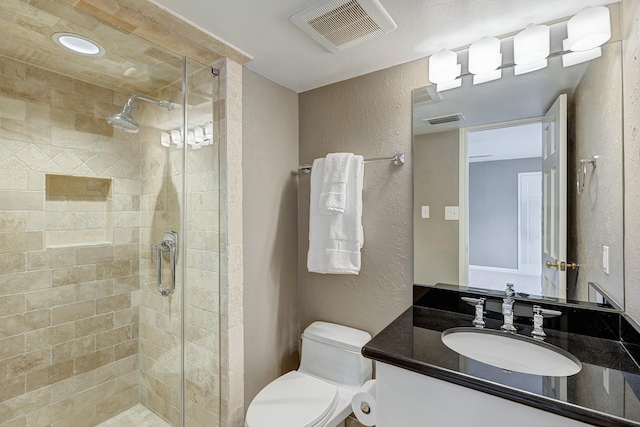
(333, 352)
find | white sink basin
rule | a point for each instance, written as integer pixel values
(511, 352)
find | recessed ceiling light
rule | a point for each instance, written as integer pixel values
(78, 44)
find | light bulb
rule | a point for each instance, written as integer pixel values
(443, 67)
(588, 29)
(176, 137)
(485, 56)
(165, 139)
(531, 45)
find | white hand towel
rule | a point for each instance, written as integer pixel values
(335, 240)
(333, 193)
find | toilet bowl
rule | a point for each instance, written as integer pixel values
(332, 369)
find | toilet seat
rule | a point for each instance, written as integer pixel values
(293, 400)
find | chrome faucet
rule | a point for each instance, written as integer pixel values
(478, 303)
(507, 309)
(538, 318)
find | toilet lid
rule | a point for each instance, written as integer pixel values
(293, 400)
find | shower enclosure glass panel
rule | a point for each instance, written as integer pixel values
(202, 217)
(179, 332)
(85, 335)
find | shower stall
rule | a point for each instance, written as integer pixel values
(110, 246)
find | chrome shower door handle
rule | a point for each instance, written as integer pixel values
(167, 249)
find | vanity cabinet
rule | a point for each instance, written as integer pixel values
(422, 382)
(407, 398)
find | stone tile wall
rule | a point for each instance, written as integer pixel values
(54, 125)
(231, 248)
(68, 314)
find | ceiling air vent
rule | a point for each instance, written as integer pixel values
(444, 119)
(340, 24)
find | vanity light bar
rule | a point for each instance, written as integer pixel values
(587, 32)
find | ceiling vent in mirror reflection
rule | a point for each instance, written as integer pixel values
(444, 119)
(340, 24)
(426, 94)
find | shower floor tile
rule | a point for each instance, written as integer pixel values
(137, 416)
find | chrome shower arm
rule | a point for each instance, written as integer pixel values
(129, 105)
(124, 120)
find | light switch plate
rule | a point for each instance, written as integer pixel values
(451, 213)
(425, 212)
(605, 259)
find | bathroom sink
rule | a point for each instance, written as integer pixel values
(512, 352)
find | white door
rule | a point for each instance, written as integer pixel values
(530, 224)
(554, 199)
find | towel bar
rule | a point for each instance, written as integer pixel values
(397, 159)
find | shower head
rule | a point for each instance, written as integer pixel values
(124, 119)
(124, 122)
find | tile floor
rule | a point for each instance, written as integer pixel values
(137, 416)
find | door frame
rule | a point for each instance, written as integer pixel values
(463, 190)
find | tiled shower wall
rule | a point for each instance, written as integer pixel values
(68, 313)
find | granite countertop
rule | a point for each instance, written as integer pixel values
(412, 341)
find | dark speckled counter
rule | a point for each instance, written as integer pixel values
(602, 340)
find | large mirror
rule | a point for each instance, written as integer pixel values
(519, 180)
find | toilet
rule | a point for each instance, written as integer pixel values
(319, 393)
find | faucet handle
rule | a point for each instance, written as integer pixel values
(538, 319)
(478, 322)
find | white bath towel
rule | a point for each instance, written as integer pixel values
(333, 193)
(335, 240)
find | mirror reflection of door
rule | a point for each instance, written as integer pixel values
(504, 221)
(517, 204)
(554, 204)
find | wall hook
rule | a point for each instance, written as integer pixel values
(582, 169)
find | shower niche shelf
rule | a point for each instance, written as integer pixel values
(78, 211)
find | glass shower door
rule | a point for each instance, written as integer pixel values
(201, 337)
(179, 330)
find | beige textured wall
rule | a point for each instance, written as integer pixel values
(597, 106)
(631, 84)
(68, 314)
(369, 115)
(270, 154)
(436, 163)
